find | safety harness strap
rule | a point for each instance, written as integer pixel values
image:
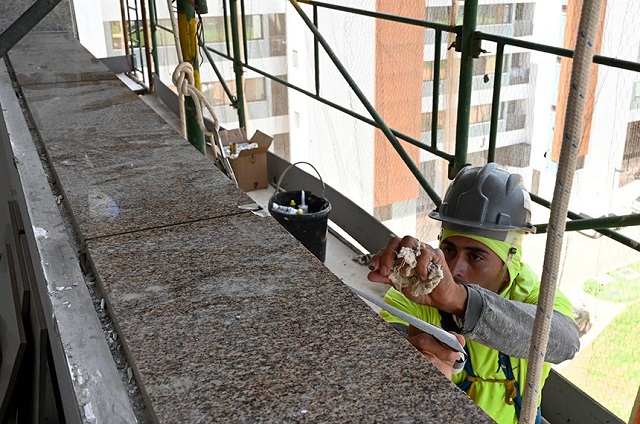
(512, 395)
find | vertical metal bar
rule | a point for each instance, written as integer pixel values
(316, 52)
(237, 62)
(374, 113)
(139, 39)
(244, 32)
(147, 44)
(153, 21)
(225, 15)
(189, 46)
(134, 34)
(466, 79)
(495, 103)
(435, 98)
(125, 29)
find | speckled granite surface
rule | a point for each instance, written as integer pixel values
(225, 316)
(114, 156)
(230, 317)
(99, 107)
(51, 57)
(124, 182)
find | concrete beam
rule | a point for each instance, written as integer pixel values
(25, 23)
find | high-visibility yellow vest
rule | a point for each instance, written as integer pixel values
(490, 391)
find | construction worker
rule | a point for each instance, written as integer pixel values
(487, 297)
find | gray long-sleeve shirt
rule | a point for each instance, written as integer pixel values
(506, 325)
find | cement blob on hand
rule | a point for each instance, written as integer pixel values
(404, 274)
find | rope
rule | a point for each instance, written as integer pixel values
(176, 42)
(183, 79)
(574, 117)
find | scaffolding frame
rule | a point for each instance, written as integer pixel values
(468, 42)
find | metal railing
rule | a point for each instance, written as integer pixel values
(136, 34)
(468, 43)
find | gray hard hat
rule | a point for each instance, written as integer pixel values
(486, 201)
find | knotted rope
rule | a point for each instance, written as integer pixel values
(184, 80)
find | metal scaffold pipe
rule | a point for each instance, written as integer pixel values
(365, 102)
(580, 73)
(237, 63)
(189, 47)
(469, 19)
(153, 25)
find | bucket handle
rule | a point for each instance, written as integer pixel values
(294, 164)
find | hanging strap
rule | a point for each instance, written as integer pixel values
(516, 400)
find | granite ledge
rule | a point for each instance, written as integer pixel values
(230, 320)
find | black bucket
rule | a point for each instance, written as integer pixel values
(310, 228)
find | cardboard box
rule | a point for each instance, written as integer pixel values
(250, 167)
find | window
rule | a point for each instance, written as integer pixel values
(488, 14)
(427, 70)
(277, 35)
(516, 117)
(215, 94)
(523, 20)
(253, 27)
(516, 107)
(519, 68)
(164, 37)
(213, 28)
(479, 114)
(254, 91)
(442, 15)
(426, 120)
(484, 65)
(117, 39)
(519, 12)
(279, 97)
(494, 14)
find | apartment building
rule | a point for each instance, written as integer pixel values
(393, 65)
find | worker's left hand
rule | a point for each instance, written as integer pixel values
(441, 356)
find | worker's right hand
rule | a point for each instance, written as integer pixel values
(448, 296)
(441, 356)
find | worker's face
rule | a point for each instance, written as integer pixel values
(472, 262)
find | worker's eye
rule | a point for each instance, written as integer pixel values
(448, 250)
(474, 257)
